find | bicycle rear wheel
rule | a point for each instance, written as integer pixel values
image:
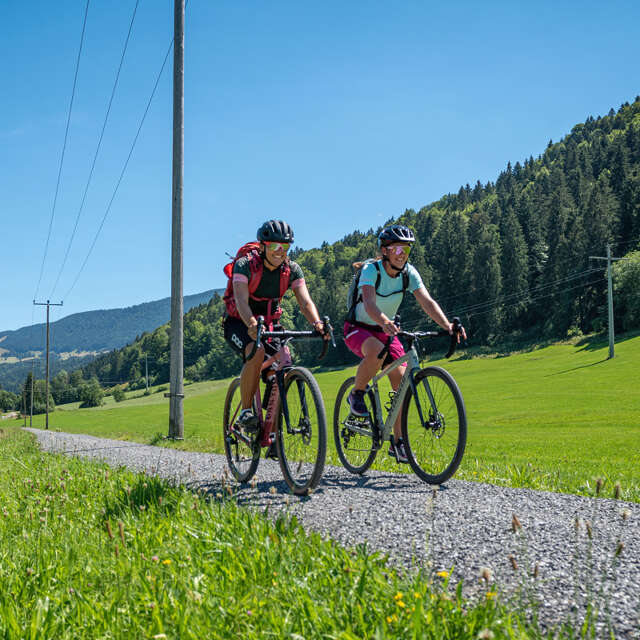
(242, 449)
(354, 436)
(302, 446)
(434, 450)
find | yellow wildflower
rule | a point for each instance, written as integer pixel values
(443, 574)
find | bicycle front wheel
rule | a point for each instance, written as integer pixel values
(434, 425)
(302, 441)
(354, 436)
(242, 450)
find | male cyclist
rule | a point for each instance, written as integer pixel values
(240, 325)
(380, 292)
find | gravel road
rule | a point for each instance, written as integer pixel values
(466, 526)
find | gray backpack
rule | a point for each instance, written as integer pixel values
(353, 297)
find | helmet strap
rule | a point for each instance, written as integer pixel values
(385, 259)
(263, 255)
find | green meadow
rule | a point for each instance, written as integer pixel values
(554, 418)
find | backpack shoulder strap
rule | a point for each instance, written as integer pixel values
(256, 265)
(405, 279)
(376, 264)
(285, 277)
(355, 295)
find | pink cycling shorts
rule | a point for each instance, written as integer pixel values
(354, 337)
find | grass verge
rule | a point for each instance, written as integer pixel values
(91, 552)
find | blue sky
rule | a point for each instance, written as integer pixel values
(334, 116)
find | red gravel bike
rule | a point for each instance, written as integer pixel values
(291, 416)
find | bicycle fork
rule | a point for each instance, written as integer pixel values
(432, 419)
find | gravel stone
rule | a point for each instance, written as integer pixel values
(463, 527)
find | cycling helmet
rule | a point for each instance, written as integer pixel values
(275, 231)
(395, 233)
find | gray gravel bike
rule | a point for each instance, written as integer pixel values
(294, 419)
(433, 415)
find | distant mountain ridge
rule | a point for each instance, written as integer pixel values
(93, 331)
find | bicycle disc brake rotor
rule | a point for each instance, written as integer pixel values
(305, 431)
(437, 424)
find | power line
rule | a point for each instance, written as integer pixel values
(95, 157)
(524, 293)
(64, 146)
(541, 297)
(637, 240)
(512, 299)
(124, 168)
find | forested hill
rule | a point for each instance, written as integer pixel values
(95, 330)
(511, 257)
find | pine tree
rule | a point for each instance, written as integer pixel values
(484, 311)
(560, 207)
(451, 256)
(514, 260)
(601, 216)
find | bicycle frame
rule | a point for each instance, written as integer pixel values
(407, 385)
(267, 420)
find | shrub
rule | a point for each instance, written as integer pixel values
(91, 394)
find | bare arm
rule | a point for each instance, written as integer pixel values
(306, 304)
(433, 310)
(241, 296)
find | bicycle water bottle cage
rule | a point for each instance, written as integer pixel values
(389, 404)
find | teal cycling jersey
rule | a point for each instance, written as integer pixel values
(389, 292)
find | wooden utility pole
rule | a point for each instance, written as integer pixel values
(609, 259)
(176, 385)
(47, 304)
(31, 410)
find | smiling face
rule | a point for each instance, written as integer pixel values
(275, 252)
(397, 253)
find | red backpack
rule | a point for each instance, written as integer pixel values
(252, 251)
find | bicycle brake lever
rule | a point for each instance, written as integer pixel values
(258, 338)
(453, 344)
(329, 328)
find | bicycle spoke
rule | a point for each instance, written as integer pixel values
(435, 448)
(354, 436)
(302, 442)
(240, 448)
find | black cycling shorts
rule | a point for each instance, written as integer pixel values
(236, 333)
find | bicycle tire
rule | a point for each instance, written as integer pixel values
(358, 457)
(431, 457)
(242, 457)
(303, 451)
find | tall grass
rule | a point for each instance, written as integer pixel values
(91, 552)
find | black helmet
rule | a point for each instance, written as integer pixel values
(395, 233)
(275, 231)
